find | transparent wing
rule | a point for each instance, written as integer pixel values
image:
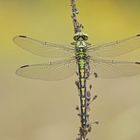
(116, 48)
(51, 71)
(114, 69)
(44, 49)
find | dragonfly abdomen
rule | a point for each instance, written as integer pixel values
(81, 60)
(82, 81)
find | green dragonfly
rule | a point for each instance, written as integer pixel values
(98, 58)
(80, 57)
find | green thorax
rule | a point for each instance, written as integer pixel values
(80, 45)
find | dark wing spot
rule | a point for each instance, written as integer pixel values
(23, 36)
(138, 34)
(137, 63)
(24, 66)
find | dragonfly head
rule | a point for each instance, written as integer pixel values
(80, 36)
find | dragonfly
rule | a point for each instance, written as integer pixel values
(97, 57)
(79, 56)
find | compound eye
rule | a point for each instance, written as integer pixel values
(85, 37)
(81, 36)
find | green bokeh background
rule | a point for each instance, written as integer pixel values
(39, 110)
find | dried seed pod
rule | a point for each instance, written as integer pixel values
(96, 122)
(90, 87)
(94, 98)
(79, 114)
(78, 138)
(77, 84)
(96, 75)
(88, 94)
(77, 108)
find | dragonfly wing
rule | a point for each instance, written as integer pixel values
(114, 69)
(44, 49)
(116, 48)
(52, 71)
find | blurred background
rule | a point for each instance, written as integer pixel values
(40, 110)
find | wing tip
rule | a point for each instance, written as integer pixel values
(137, 63)
(24, 66)
(22, 36)
(18, 71)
